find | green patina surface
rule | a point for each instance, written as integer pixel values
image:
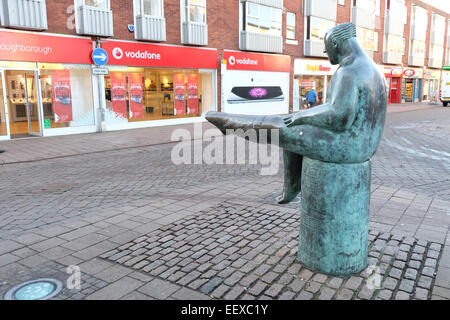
(327, 152)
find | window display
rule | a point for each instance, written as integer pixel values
(3, 130)
(144, 94)
(67, 97)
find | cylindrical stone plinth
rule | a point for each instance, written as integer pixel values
(334, 223)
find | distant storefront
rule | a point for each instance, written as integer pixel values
(431, 80)
(393, 79)
(412, 84)
(309, 74)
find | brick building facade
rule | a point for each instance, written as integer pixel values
(288, 30)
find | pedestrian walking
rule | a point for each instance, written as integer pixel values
(311, 97)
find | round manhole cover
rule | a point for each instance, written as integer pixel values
(41, 289)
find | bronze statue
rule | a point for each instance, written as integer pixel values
(327, 152)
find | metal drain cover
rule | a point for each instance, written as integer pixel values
(41, 289)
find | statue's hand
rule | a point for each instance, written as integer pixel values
(289, 121)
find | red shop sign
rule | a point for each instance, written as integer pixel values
(237, 60)
(153, 55)
(409, 72)
(19, 46)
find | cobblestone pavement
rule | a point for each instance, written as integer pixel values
(140, 227)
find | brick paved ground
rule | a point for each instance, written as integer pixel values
(140, 227)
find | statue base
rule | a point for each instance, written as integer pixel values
(334, 223)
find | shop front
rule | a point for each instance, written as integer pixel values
(412, 84)
(151, 85)
(45, 85)
(393, 80)
(254, 83)
(313, 74)
(431, 79)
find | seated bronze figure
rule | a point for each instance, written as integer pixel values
(327, 152)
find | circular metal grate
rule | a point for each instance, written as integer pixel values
(40, 289)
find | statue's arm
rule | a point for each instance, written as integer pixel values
(337, 115)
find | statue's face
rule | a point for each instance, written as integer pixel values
(331, 48)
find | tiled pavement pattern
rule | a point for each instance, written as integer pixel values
(71, 210)
(234, 251)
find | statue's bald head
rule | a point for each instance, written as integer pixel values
(336, 36)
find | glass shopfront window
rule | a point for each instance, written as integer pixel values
(3, 130)
(262, 19)
(67, 97)
(309, 82)
(136, 94)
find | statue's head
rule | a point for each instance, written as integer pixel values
(336, 37)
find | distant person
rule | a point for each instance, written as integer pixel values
(311, 97)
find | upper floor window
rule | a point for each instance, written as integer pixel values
(418, 48)
(419, 17)
(372, 6)
(368, 39)
(103, 4)
(341, 2)
(290, 26)
(195, 11)
(262, 19)
(151, 7)
(438, 23)
(317, 28)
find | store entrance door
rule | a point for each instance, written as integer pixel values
(23, 103)
(394, 96)
(4, 128)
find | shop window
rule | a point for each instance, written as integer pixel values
(317, 28)
(262, 19)
(368, 39)
(103, 4)
(145, 94)
(3, 131)
(309, 82)
(67, 97)
(195, 11)
(290, 26)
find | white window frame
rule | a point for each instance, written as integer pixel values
(108, 4)
(288, 25)
(140, 5)
(185, 12)
(259, 16)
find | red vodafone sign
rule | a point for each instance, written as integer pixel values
(18, 46)
(153, 55)
(237, 60)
